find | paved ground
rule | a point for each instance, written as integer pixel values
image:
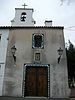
(72, 98)
(20, 98)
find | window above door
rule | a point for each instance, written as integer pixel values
(38, 41)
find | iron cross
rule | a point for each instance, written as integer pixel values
(24, 5)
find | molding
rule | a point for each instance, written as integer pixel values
(32, 27)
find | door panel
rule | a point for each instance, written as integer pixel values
(30, 82)
(36, 81)
(42, 71)
(42, 85)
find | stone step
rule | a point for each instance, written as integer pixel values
(21, 98)
(72, 98)
(32, 98)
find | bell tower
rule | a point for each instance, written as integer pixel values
(23, 17)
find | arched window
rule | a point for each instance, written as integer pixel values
(23, 16)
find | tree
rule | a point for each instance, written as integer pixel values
(70, 51)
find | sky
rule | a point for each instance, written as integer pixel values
(60, 14)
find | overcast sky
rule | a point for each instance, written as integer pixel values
(61, 15)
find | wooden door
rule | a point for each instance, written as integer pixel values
(30, 83)
(42, 81)
(36, 81)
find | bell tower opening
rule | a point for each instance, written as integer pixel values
(23, 16)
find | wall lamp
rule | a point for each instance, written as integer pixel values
(13, 50)
(60, 52)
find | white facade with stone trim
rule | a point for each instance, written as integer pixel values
(3, 50)
(22, 38)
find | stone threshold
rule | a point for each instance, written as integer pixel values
(37, 98)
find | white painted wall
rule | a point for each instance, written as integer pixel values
(3, 49)
(29, 20)
(53, 40)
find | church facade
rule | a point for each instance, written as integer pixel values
(35, 63)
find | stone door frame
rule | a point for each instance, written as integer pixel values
(36, 65)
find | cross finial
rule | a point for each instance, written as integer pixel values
(24, 5)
